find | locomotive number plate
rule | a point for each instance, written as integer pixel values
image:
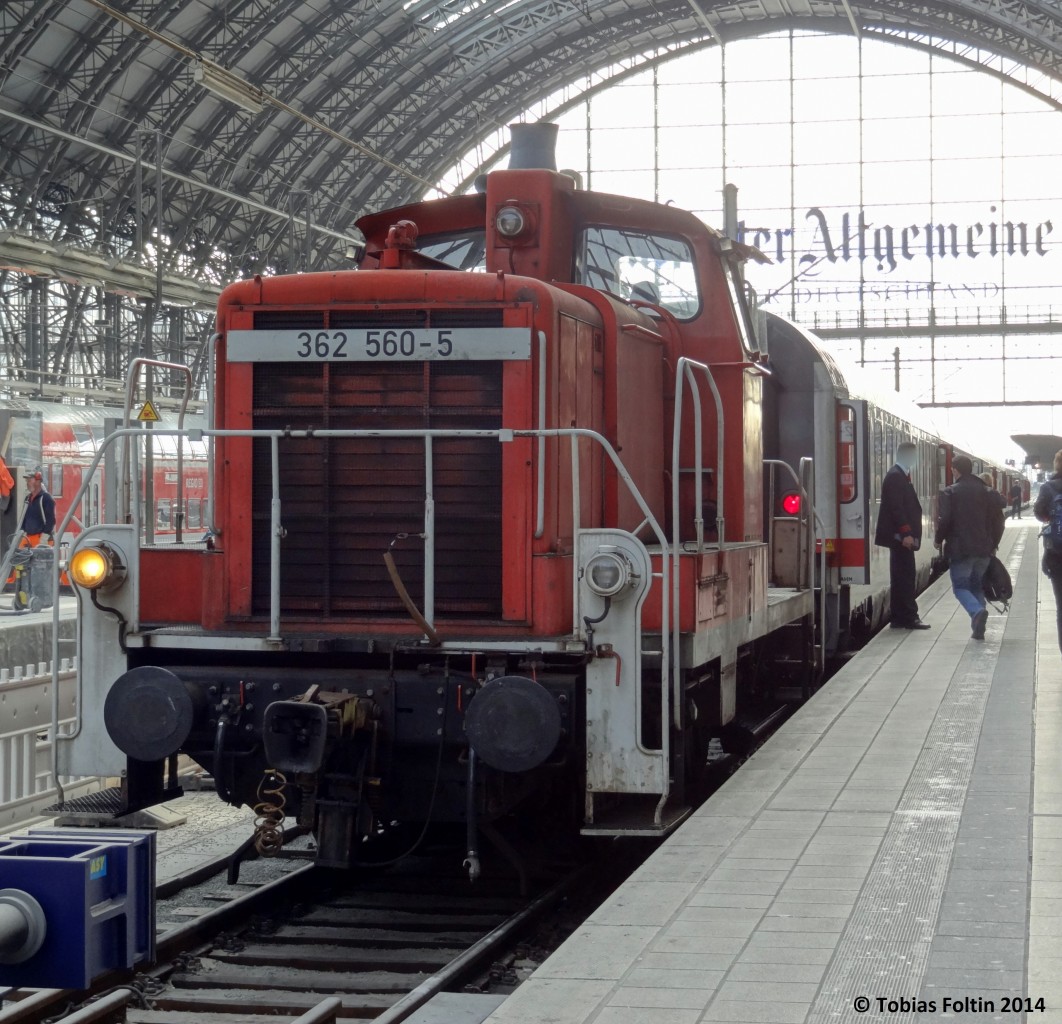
(378, 344)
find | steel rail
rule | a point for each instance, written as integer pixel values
(200, 931)
(41, 1004)
(483, 949)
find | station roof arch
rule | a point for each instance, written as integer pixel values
(264, 114)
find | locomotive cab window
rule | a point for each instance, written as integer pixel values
(641, 267)
(463, 250)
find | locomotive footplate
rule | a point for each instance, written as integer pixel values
(109, 808)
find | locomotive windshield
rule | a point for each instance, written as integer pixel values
(463, 250)
(640, 266)
(631, 264)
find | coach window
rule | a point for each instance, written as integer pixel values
(846, 454)
(92, 511)
(53, 476)
(877, 454)
(83, 438)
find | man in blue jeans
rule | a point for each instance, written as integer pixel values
(970, 526)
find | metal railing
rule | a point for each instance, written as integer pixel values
(904, 314)
(687, 373)
(812, 525)
(810, 522)
(27, 779)
(503, 436)
(129, 461)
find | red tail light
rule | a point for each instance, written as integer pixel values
(791, 504)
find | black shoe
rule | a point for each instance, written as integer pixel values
(979, 621)
(917, 624)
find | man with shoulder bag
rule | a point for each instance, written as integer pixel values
(1048, 509)
(970, 525)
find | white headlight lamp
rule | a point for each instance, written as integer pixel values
(609, 573)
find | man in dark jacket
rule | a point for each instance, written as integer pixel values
(38, 521)
(1052, 563)
(900, 530)
(1015, 501)
(970, 524)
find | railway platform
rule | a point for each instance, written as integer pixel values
(26, 637)
(892, 853)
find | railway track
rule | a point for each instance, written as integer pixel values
(314, 946)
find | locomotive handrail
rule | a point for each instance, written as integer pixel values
(132, 381)
(684, 372)
(540, 497)
(86, 478)
(805, 485)
(669, 666)
(807, 470)
(212, 527)
(805, 481)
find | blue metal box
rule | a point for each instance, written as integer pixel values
(96, 889)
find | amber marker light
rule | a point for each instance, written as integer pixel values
(97, 567)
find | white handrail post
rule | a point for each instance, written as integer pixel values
(276, 531)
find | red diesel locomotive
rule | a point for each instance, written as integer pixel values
(492, 521)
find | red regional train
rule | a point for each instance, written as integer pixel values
(61, 442)
(522, 514)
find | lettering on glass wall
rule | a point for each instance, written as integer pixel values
(822, 243)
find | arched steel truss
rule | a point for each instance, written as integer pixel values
(354, 107)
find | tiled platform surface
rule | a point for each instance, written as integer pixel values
(899, 841)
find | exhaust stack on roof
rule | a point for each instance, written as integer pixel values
(534, 146)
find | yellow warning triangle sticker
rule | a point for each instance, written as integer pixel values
(148, 414)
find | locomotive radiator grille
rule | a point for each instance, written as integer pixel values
(344, 500)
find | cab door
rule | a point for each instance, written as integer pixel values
(853, 493)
